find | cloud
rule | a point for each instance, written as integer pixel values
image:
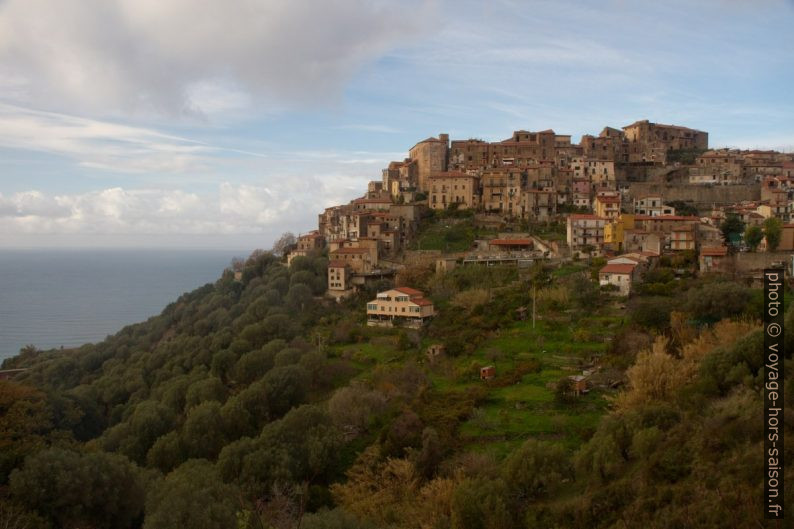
(99, 144)
(183, 57)
(230, 209)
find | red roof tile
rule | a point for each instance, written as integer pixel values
(717, 251)
(617, 269)
(422, 302)
(410, 291)
(585, 216)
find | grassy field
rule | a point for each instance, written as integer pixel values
(528, 408)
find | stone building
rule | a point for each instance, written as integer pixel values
(674, 137)
(430, 156)
(718, 167)
(502, 190)
(453, 187)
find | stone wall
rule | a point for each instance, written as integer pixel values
(748, 262)
(701, 196)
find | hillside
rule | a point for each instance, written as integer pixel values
(259, 403)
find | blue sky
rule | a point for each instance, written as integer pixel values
(151, 123)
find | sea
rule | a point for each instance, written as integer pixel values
(53, 298)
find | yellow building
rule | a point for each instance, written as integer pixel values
(607, 205)
(402, 305)
(615, 231)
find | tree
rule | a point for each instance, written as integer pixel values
(192, 496)
(284, 388)
(298, 297)
(732, 228)
(25, 419)
(284, 244)
(481, 504)
(773, 231)
(715, 301)
(78, 490)
(752, 237)
(535, 469)
(335, 519)
(203, 433)
(684, 208)
(15, 516)
(563, 391)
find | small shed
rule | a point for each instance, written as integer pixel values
(487, 372)
(578, 384)
(446, 264)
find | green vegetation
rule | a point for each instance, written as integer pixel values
(773, 231)
(449, 231)
(259, 404)
(684, 208)
(732, 229)
(753, 236)
(684, 156)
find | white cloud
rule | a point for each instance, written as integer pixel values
(98, 144)
(230, 209)
(180, 56)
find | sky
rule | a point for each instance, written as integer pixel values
(218, 124)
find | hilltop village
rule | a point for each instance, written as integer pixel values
(629, 195)
(520, 334)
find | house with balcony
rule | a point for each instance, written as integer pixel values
(607, 204)
(585, 233)
(652, 205)
(401, 306)
(683, 237)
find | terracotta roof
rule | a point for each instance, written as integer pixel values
(585, 216)
(666, 217)
(608, 200)
(422, 302)
(349, 251)
(617, 269)
(410, 291)
(630, 258)
(510, 242)
(716, 251)
(335, 263)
